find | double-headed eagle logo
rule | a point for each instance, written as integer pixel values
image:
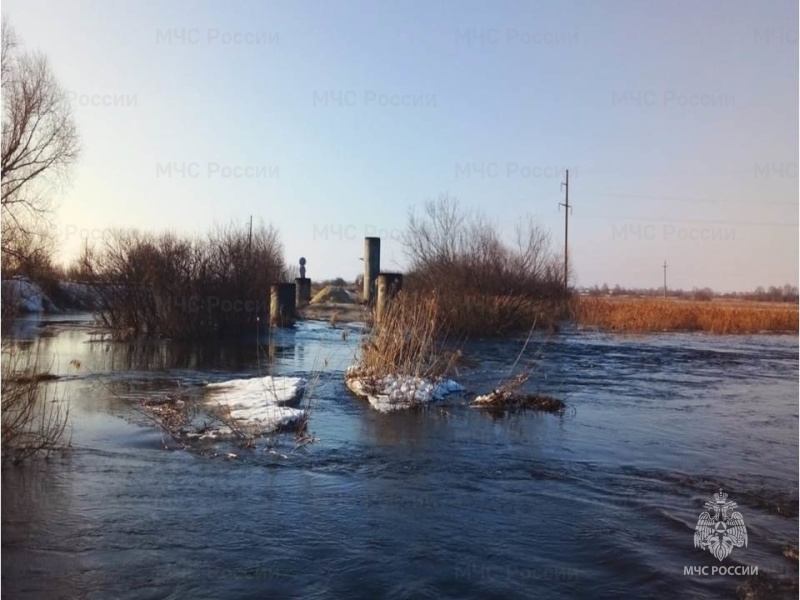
(720, 534)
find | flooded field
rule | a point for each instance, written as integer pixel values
(448, 501)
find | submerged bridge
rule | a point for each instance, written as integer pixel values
(379, 288)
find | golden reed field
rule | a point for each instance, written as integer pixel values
(714, 316)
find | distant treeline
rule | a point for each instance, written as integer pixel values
(786, 293)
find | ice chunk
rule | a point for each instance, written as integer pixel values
(259, 402)
(395, 392)
(257, 390)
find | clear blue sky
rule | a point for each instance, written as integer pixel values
(678, 121)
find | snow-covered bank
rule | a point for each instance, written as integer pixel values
(260, 403)
(26, 295)
(396, 392)
(29, 297)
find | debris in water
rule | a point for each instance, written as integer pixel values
(765, 587)
(171, 412)
(790, 552)
(509, 395)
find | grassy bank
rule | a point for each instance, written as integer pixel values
(716, 316)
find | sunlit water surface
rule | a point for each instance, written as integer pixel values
(446, 502)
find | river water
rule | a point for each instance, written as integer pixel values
(447, 502)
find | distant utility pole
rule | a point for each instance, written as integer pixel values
(665, 279)
(567, 209)
(250, 238)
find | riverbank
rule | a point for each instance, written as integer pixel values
(22, 295)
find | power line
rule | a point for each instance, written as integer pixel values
(687, 199)
(705, 221)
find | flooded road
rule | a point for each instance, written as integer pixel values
(449, 501)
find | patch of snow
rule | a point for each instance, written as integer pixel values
(28, 296)
(269, 389)
(259, 402)
(395, 392)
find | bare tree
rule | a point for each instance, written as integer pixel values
(40, 142)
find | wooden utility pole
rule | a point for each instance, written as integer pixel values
(665, 279)
(567, 209)
(250, 237)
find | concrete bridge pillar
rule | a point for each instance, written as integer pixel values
(282, 304)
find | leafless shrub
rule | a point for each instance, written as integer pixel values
(162, 285)
(33, 420)
(485, 286)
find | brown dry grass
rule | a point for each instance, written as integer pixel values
(485, 315)
(649, 314)
(410, 340)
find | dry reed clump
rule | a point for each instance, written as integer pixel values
(410, 340)
(475, 315)
(634, 314)
(33, 421)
